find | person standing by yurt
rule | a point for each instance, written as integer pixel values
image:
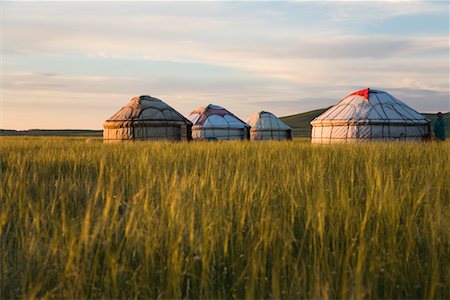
(439, 127)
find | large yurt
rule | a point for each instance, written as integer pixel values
(146, 118)
(213, 122)
(369, 115)
(266, 126)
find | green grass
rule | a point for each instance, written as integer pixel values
(223, 220)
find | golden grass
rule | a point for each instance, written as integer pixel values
(223, 220)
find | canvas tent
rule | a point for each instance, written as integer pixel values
(146, 118)
(213, 122)
(369, 115)
(266, 126)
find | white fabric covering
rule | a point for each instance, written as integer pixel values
(380, 117)
(146, 118)
(213, 122)
(266, 126)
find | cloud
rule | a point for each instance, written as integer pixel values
(286, 57)
(423, 100)
(188, 37)
(105, 95)
(380, 9)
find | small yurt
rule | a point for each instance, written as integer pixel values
(266, 126)
(213, 122)
(369, 115)
(146, 118)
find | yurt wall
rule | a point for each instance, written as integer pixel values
(146, 118)
(266, 126)
(213, 122)
(369, 115)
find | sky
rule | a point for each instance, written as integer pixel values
(71, 65)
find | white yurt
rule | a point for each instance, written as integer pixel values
(369, 115)
(146, 118)
(266, 126)
(213, 122)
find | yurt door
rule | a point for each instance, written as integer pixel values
(183, 133)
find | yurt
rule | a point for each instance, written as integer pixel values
(266, 126)
(146, 118)
(369, 115)
(213, 122)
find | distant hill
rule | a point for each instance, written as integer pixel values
(301, 127)
(298, 122)
(51, 132)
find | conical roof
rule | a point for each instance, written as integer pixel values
(215, 116)
(143, 110)
(264, 120)
(370, 106)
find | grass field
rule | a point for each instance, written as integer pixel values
(223, 220)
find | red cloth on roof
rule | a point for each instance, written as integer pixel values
(363, 93)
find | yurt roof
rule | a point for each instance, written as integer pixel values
(215, 116)
(145, 110)
(370, 106)
(265, 120)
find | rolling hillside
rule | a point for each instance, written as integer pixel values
(298, 122)
(51, 132)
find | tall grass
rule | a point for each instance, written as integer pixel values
(223, 220)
